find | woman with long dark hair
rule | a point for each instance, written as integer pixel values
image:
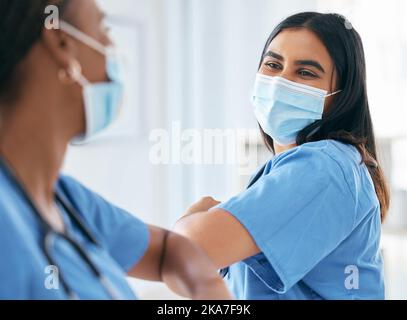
(309, 224)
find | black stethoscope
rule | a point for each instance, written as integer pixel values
(223, 272)
(51, 235)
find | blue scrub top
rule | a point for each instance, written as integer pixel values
(23, 274)
(315, 216)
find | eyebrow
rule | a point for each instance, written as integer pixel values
(312, 63)
(273, 55)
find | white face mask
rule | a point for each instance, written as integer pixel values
(102, 100)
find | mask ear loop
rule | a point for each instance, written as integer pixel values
(318, 126)
(89, 41)
(332, 94)
(82, 37)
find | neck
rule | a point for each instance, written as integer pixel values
(34, 153)
(279, 149)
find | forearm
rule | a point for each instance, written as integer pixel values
(181, 264)
(188, 271)
(220, 235)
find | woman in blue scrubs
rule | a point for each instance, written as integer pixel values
(58, 239)
(308, 226)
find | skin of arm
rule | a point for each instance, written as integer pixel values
(220, 235)
(182, 265)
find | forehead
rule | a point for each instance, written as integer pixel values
(300, 44)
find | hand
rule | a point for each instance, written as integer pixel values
(202, 205)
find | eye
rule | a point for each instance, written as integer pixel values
(273, 65)
(307, 74)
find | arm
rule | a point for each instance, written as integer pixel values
(181, 265)
(217, 232)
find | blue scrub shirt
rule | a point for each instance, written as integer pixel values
(23, 274)
(315, 216)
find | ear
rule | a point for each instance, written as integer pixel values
(62, 48)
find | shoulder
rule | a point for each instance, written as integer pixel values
(18, 239)
(14, 216)
(325, 160)
(71, 185)
(87, 203)
(92, 206)
(82, 197)
(324, 154)
(124, 235)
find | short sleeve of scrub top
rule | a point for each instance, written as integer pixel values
(123, 240)
(298, 212)
(123, 235)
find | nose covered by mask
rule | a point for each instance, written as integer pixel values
(283, 108)
(103, 100)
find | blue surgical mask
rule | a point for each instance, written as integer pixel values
(283, 108)
(102, 101)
